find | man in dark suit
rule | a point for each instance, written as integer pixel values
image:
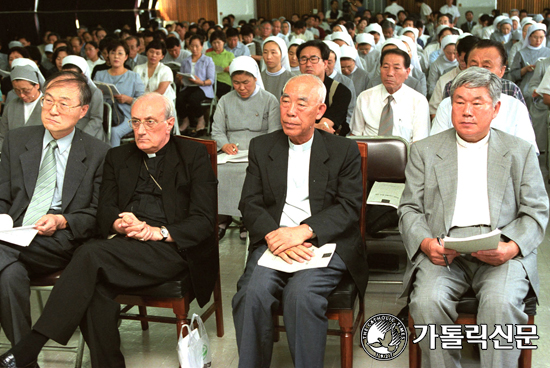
(156, 215)
(469, 24)
(66, 216)
(302, 187)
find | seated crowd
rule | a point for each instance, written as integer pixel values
(130, 206)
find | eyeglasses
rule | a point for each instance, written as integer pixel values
(62, 107)
(147, 124)
(314, 60)
(23, 91)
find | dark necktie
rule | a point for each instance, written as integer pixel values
(386, 119)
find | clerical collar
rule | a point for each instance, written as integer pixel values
(281, 71)
(161, 152)
(475, 145)
(301, 147)
(294, 68)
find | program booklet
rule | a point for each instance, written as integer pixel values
(321, 258)
(107, 88)
(474, 243)
(21, 236)
(386, 194)
(241, 156)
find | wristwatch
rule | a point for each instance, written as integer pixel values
(164, 233)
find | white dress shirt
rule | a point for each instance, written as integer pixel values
(453, 10)
(297, 208)
(513, 118)
(472, 198)
(411, 119)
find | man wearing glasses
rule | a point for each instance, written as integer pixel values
(49, 178)
(156, 216)
(313, 58)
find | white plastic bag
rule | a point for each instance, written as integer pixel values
(194, 349)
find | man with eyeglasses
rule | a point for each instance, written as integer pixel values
(49, 178)
(156, 217)
(313, 58)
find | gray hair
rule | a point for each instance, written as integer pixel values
(475, 77)
(321, 89)
(169, 110)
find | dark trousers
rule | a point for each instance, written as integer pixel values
(222, 89)
(188, 103)
(45, 254)
(100, 270)
(304, 296)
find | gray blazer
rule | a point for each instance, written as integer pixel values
(14, 117)
(518, 202)
(19, 171)
(92, 122)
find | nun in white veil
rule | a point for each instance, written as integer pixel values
(92, 122)
(416, 69)
(24, 109)
(275, 65)
(375, 29)
(246, 112)
(533, 50)
(293, 56)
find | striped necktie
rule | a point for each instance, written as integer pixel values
(44, 189)
(386, 119)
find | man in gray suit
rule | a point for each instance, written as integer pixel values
(466, 181)
(49, 177)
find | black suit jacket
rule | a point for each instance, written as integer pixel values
(189, 197)
(335, 194)
(21, 154)
(465, 27)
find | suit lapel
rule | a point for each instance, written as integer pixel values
(277, 169)
(168, 182)
(129, 176)
(30, 161)
(445, 171)
(76, 169)
(498, 172)
(318, 173)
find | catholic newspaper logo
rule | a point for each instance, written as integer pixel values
(384, 337)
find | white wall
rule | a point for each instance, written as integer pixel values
(241, 9)
(477, 6)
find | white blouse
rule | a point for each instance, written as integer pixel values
(162, 74)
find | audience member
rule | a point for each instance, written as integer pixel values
(353, 69)
(233, 44)
(175, 54)
(455, 187)
(286, 224)
(444, 62)
(45, 184)
(222, 58)
(293, 57)
(156, 76)
(469, 25)
(92, 55)
(275, 66)
(129, 85)
(190, 97)
(392, 108)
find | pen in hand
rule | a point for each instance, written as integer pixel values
(444, 255)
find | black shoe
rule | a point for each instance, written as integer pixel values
(8, 360)
(221, 233)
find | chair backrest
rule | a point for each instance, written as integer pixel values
(363, 150)
(387, 158)
(211, 148)
(107, 118)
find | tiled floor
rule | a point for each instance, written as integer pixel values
(157, 346)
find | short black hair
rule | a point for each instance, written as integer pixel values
(34, 53)
(231, 32)
(323, 48)
(20, 50)
(218, 35)
(246, 30)
(157, 45)
(300, 24)
(465, 44)
(172, 42)
(406, 57)
(112, 45)
(469, 11)
(485, 44)
(195, 37)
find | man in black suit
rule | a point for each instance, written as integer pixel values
(65, 215)
(156, 215)
(302, 187)
(469, 24)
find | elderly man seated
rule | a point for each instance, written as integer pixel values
(156, 215)
(302, 187)
(467, 181)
